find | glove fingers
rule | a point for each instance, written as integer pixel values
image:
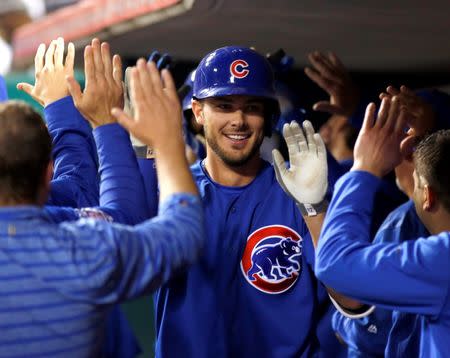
(291, 141)
(321, 149)
(309, 130)
(299, 136)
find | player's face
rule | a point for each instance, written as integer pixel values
(234, 127)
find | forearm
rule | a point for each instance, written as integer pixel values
(314, 224)
(174, 175)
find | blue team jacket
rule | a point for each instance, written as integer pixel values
(380, 334)
(411, 277)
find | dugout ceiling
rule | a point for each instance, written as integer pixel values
(403, 35)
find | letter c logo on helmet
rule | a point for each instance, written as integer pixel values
(238, 69)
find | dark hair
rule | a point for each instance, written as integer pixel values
(25, 151)
(432, 162)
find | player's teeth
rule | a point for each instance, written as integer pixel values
(237, 137)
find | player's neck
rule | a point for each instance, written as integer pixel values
(439, 223)
(226, 175)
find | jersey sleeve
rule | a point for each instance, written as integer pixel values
(364, 337)
(144, 257)
(75, 179)
(122, 192)
(148, 172)
(411, 276)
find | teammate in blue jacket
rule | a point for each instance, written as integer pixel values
(253, 292)
(74, 155)
(411, 276)
(383, 332)
(65, 277)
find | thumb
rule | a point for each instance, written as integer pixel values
(279, 165)
(74, 89)
(280, 169)
(28, 89)
(125, 121)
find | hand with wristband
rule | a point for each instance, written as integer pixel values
(306, 180)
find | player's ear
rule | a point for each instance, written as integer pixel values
(429, 198)
(197, 109)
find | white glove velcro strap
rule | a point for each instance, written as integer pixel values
(313, 209)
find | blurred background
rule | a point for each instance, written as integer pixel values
(380, 43)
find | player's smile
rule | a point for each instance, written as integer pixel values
(238, 141)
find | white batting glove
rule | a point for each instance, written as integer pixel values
(306, 180)
(140, 148)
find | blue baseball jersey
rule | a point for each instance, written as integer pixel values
(380, 334)
(411, 277)
(253, 293)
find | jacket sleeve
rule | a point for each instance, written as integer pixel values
(148, 172)
(122, 191)
(411, 276)
(137, 260)
(75, 180)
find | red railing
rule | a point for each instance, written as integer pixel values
(81, 20)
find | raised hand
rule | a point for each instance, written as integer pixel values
(157, 123)
(330, 74)
(103, 89)
(377, 149)
(157, 110)
(420, 116)
(306, 180)
(50, 72)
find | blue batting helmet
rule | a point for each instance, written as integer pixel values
(234, 70)
(189, 83)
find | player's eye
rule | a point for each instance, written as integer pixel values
(257, 108)
(225, 106)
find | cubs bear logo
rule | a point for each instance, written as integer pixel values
(272, 258)
(238, 69)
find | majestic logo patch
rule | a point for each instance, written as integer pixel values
(272, 258)
(238, 69)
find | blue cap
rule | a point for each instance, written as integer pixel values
(234, 70)
(186, 100)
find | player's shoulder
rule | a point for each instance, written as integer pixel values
(197, 170)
